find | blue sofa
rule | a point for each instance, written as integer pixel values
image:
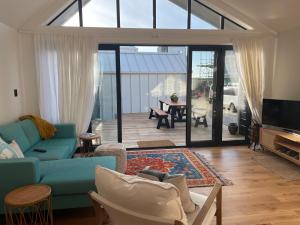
(70, 179)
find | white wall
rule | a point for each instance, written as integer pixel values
(29, 87)
(286, 81)
(10, 106)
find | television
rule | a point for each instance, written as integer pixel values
(281, 113)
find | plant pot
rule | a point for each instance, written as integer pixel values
(174, 98)
(233, 128)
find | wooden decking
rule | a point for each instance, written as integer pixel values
(137, 127)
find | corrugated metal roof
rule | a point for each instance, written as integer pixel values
(144, 62)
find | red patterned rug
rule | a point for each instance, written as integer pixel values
(176, 161)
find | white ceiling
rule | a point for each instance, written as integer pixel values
(15, 13)
(279, 15)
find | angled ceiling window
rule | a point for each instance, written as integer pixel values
(162, 14)
(203, 17)
(69, 17)
(171, 14)
(99, 13)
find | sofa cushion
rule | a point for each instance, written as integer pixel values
(31, 131)
(15, 132)
(73, 176)
(56, 149)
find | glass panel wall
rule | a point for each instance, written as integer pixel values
(136, 13)
(204, 18)
(99, 13)
(170, 15)
(234, 102)
(104, 119)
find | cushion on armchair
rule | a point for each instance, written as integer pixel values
(140, 195)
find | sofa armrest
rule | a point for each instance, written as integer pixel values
(66, 130)
(18, 172)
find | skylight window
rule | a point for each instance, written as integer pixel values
(151, 14)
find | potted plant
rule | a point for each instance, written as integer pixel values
(232, 128)
(174, 97)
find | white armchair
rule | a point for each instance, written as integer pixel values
(207, 208)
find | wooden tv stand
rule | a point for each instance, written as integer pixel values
(284, 144)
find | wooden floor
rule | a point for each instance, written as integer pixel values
(137, 127)
(258, 196)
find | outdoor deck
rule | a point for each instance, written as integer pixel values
(137, 127)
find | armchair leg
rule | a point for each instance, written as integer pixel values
(219, 207)
(101, 215)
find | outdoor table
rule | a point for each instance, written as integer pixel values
(174, 108)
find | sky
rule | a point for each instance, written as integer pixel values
(136, 14)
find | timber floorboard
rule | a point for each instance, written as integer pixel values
(257, 197)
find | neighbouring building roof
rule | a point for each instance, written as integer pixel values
(145, 62)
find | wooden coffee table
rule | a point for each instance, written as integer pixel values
(30, 204)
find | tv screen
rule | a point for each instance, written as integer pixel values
(281, 113)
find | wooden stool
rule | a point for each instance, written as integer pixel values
(86, 141)
(30, 204)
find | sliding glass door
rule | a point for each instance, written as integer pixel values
(106, 119)
(217, 109)
(202, 95)
(213, 110)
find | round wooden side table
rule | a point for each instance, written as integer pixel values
(86, 141)
(30, 204)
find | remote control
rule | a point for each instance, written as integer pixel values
(40, 150)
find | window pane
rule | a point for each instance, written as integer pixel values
(228, 25)
(204, 18)
(136, 13)
(104, 118)
(234, 102)
(171, 15)
(99, 13)
(69, 18)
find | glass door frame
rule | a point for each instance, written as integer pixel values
(217, 110)
(217, 105)
(116, 49)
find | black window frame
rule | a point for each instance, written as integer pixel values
(189, 9)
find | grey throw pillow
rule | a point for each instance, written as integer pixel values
(178, 180)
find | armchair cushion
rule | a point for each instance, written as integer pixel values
(141, 195)
(179, 181)
(199, 200)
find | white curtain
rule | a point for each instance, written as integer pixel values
(250, 63)
(66, 66)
